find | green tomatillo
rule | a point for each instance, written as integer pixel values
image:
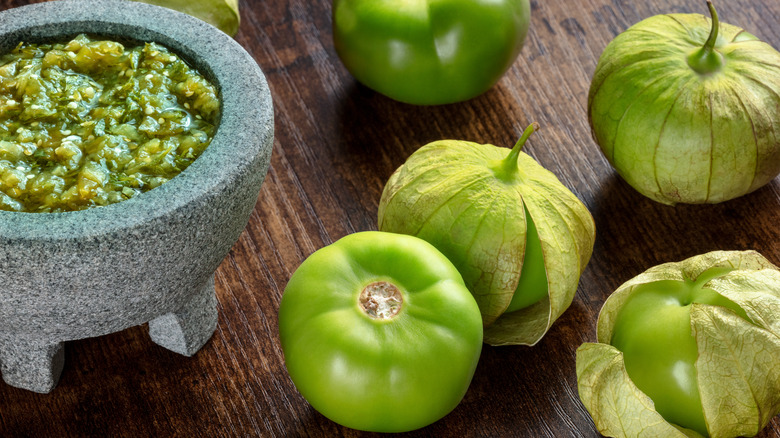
(518, 236)
(429, 52)
(379, 332)
(687, 349)
(687, 109)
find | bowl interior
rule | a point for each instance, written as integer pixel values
(246, 116)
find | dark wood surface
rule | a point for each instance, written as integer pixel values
(336, 144)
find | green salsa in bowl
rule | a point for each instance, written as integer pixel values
(151, 257)
(90, 122)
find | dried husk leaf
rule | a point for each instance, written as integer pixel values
(738, 372)
(566, 232)
(737, 365)
(617, 406)
(447, 194)
(756, 292)
(222, 14)
(743, 263)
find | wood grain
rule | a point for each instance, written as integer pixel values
(336, 144)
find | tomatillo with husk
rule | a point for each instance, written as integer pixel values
(379, 332)
(222, 14)
(687, 349)
(519, 237)
(687, 109)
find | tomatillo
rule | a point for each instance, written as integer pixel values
(687, 349)
(429, 52)
(379, 332)
(520, 238)
(687, 108)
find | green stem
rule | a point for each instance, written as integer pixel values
(708, 275)
(509, 164)
(710, 44)
(707, 60)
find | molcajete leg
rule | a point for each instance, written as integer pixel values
(31, 364)
(187, 329)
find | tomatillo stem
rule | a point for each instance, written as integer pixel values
(508, 166)
(707, 60)
(381, 300)
(710, 44)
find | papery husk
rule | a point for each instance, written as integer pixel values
(737, 366)
(617, 406)
(446, 194)
(222, 14)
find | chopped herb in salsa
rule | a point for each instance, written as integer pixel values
(90, 122)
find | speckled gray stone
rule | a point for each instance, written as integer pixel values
(74, 275)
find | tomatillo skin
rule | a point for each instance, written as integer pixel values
(379, 332)
(429, 52)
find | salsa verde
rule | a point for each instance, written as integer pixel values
(90, 122)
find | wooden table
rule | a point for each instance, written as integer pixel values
(336, 144)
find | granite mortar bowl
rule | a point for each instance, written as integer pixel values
(74, 275)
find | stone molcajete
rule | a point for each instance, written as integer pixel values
(74, 275)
